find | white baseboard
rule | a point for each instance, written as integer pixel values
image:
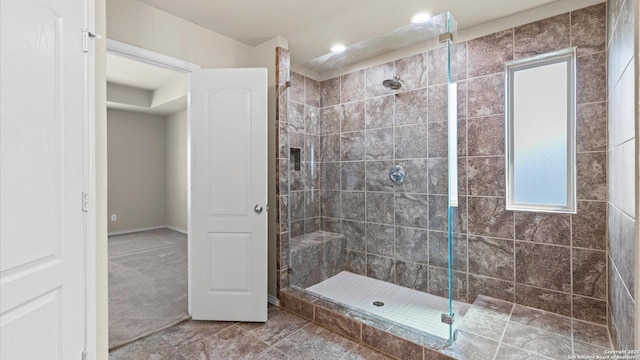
(137, 230)
(174, 228)
(273, 300)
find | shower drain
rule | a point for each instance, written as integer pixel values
(378, 303)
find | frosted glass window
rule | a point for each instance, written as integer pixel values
(541, 133)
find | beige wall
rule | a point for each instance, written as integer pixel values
(176, 170)
(137, 170)
(141, 25)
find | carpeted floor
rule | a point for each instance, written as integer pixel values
(147, 284)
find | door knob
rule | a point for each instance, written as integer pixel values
(258, 209)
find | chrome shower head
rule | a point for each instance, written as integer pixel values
(393, 84)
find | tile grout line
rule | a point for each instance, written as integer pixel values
(504, 332)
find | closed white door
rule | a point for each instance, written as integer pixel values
(41, 179)
(228, 230)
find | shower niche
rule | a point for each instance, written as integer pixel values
(368, 207)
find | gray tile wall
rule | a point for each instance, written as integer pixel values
(555, 262)
(621, 176)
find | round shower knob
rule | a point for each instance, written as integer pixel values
(397, 175)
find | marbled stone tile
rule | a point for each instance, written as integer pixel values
(486, 96)
(438, 140)
(283, 250)
(471, 346)
(295, 117)
(390, 344)
(330, 224)
(591, 80)
(330, 174)
(589, 29)
(375, 76)
(381, 268)
(544, 266)
(365, 353)
(380, 112)
(591, 176)
(556, 302)
(591, 310)
(333, 256)
(377, 176)
(331, 119)
(482, 285)
(311, 174)
(488, 217)
(380, 208)
(353, 115)
(411, 107)
(543, 227)
(353, 205)
(279, 325)
(439, 283)
(356, 262)
(590, 273)
(151, 347)
(412, 210)
(282, 58)
(437, 66)
(542, 36)
(480, 323)
(380, 239)
(271, 354)
(296, 203)
(352, 146)
(282, 216)
(283, 140)
(438, 214)
(412, 275)
(311, 204)
(438, 176)
(296, 91)
(354, 232)
(462, 102)
(588, 350)
(330, 204)
(589, 225)
(488, 54)
(282, 176)
(306, 264)
(486, 176)
(491, 257)
(412, 71)
(311, 225)
(541, 320)
(379, 144)
(420, 338)
(297, 302)
(353, 175)
(621, 309)
(438, 103)
(412, 245)
(352, 86)
(312, 120)
(416, 180)
(189, 332)
(492, 306)
(485, 136)
(591, 127)
(591, 333)
(439, 250)
(330, 92)
(506, 352)
(621, 239)
(311, 92)
(311, 150)
(534, 340)
(232, 342)
(282, 280)
(315, 342)
(337, 323)
(297, 228)
(282, 101)
(330, 148)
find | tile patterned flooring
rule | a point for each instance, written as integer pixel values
(492, 329)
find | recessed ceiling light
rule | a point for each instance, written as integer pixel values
(420, 18)
(338, 48)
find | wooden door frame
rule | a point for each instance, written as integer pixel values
(168, 62)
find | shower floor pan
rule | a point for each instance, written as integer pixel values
(402, 305)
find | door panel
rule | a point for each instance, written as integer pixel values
(228, 254)
(41, 179)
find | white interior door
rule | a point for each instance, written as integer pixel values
(228, 230)
(41, 179)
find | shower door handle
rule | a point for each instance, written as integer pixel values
(258, 209)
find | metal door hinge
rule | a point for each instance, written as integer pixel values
(85, 355)
(86, 36)
(85, 202)
(447, 319)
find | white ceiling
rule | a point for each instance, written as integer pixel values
(313, 26)
(124, 71)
